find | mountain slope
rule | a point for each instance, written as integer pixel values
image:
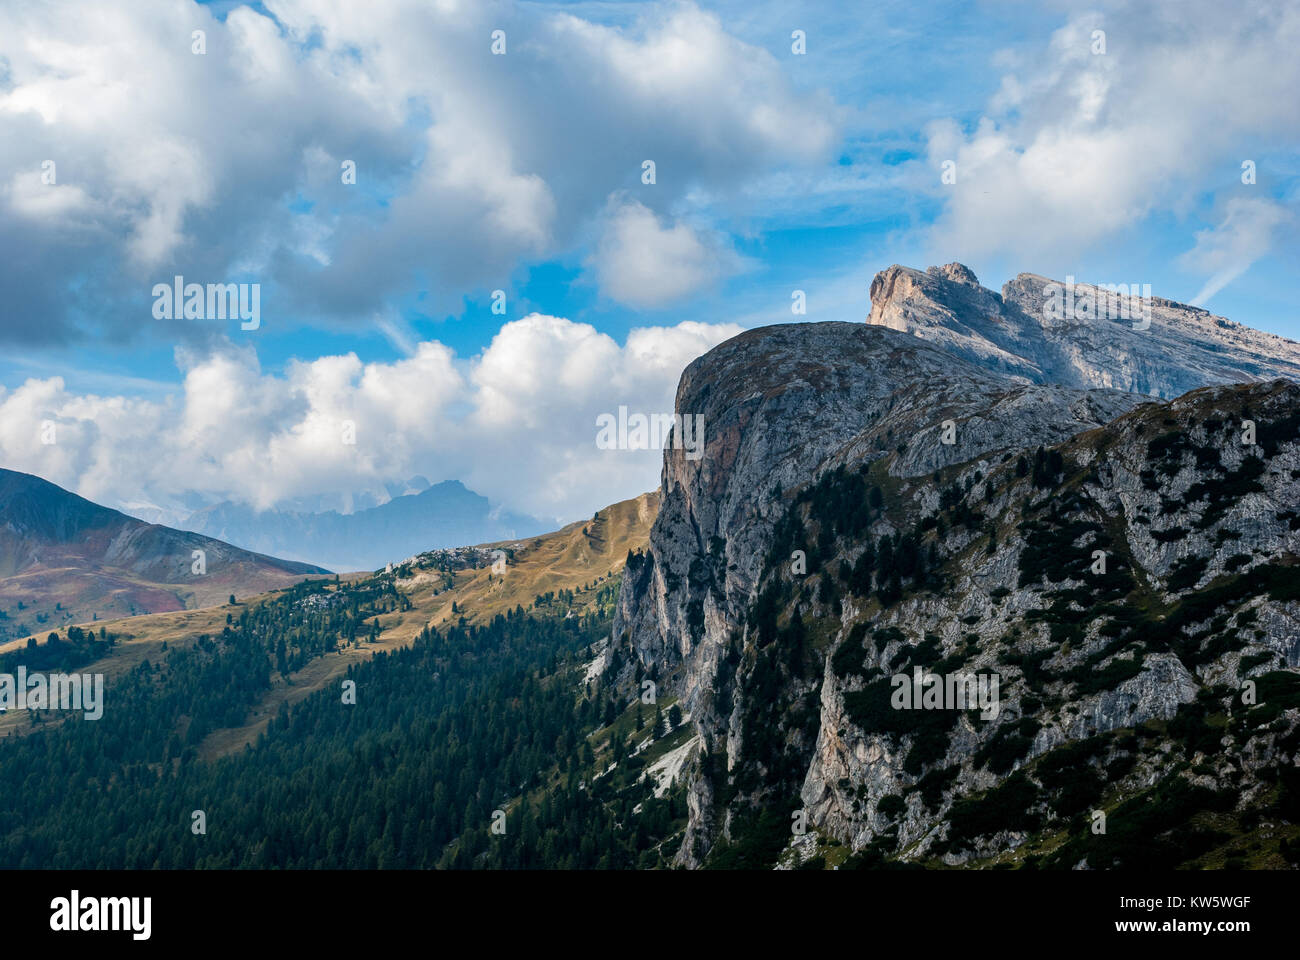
(837, 532)
(64, 559)
(444, 735)
(443, 515)
(1115, 676)
(782, 403)
(1018, 332)
(571, 569)
(566, 560)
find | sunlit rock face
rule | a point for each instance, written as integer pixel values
(1008, 451)
(1077, 334)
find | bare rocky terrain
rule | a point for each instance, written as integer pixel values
(963, 487)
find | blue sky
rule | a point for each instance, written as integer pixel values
(522, 172)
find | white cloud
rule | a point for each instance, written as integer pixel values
(1077, 148)
(33, 199)
(1243, 236)
(467, 163)
(642, 262)
(516, 422)
(538, 389)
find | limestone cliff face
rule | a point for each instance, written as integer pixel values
(1203, 564)
(1182, 348)
(943, 445)
(782, 403)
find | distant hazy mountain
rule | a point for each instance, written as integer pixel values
(444, 515)
(65, 560)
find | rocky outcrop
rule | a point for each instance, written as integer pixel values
(1095, 338)
(934, 433)
(782, 403)
(1188, 538)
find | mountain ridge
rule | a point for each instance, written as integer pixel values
(66, 559)
(1184, 347)
(446, 514)
(916, 491)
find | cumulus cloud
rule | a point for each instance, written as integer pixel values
(467, 163)
(516, 422)
(642, 262)
(539, 387)
(1078, 145)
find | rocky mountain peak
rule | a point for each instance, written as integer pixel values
(936, 489)
(1078, 334)
(956, 272)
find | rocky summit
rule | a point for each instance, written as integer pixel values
(1077, 334)
(968, 487)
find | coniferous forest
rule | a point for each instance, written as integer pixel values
(476, 746)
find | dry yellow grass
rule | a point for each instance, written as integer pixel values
(568, 559)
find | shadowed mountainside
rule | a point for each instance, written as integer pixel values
(64, 560)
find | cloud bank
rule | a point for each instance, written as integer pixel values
(1126, 113)
(229, 164)
(516, 422)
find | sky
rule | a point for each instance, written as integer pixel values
(461, 261)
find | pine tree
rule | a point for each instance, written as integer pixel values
(674, 717)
